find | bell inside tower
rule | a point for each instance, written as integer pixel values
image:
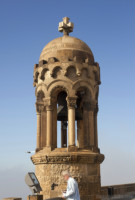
(62, 117)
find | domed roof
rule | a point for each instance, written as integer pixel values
(64, 43)
(66, 47)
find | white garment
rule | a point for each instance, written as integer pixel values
(72, 192)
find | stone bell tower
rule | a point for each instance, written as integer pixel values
(67, 83)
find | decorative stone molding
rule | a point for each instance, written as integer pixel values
(59, 86)
(40, 107)
(36, 74)
(52, 60)
(40, 96)
(71, 102)
(42, 77)
(50, 107)
(58, 159)
(49, 103)
(99, 159)
(56, 71)
(42, 63)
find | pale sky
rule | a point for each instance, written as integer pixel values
(108, 28)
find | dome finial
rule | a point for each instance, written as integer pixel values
(66, 27)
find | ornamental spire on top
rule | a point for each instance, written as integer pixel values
(66, 27)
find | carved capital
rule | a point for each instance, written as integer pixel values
(71, 102)
(49, 107)
(40, 107)
(49, 103)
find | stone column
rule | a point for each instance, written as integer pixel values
(54, 124)
(49, 126)
(43, 128)
(88, 120)
(38, 130)
(71, 102)
(39, 109)
(95, 126)
(91, 125)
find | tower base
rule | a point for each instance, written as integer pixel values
(83, 165)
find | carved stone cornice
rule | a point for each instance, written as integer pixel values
(58, 159)
(71, 102)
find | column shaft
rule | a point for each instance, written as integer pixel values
(49, 128)
(91, 127)
(54, 124)
(95, 128)
(43, 129)
(71, 126)
(38, 130)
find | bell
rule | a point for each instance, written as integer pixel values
(62, 113)
(62, 107)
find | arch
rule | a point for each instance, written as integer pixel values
(82, 83)
(71, 73)
(42, 87)
(36, 77)
(42, 77)
(70, 65)
(66, 85)
(56, 71)
(57, 89)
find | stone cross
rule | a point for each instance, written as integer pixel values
(66, 27)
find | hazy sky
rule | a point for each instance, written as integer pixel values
(108, 27)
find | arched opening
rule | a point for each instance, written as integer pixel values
(82, 117)
(62, 118)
